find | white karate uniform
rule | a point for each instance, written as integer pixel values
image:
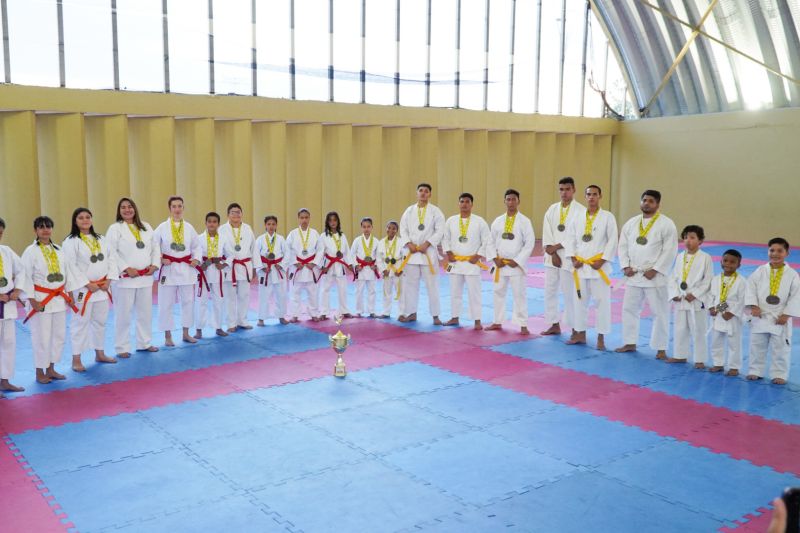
(273, 281)
(133, 293)
(367, 277)
(177, 280)
(215, 293)
(765, 334)
(14, 273)
(727, 332)
(558, 279)
(461, 272)
(387, 251)
(302, 278)
(658, 253)
(519, 249)
(690, 318)
(88, 327)
(593, 287)
(48, 328)
(242, 263)
(326, 246)
(419, 265)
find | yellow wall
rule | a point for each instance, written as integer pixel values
(735, 174)
(61, 148)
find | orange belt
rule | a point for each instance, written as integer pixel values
(89, 295)
(51, 293)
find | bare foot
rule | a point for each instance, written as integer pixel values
(753, 377)
(555, 329)
(52, 374)
(779, 381)
(373, 315)
(283, 321)
(103, 358)
(661, 354)
(348, 315)
(384, 316)
(601, 342)
(77, 365)
(578, 337)
(315, 319)
(436, 321)
(413, 318)
(452, 322)
(246, 326)
(626, 348)
(221, 332)
(124, 355)
(10, 387)
(261, 324)
(232, 330)
(294, 320)
(675, 360)
(168, 339)
(150, 349)
(732, 372)
(716, 369)
(198, 334)
(322, 317)
(188, 338)
(699, 366)
(524, 331)
(478, 326)
(494, 327)
(41, 377)
(402, 318)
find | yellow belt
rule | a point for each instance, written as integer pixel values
(586, 262)
(392, 269)
(505, 262)
(480, 264)
(405, 262)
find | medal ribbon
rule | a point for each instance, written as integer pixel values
(725, 287)
(337, 241)
(136, 233)
(2, 272)
(92, 243)
(51, 258)
(590, 222)
(367, 246)
(421, 214)
(237, 235)
(270, 244)
(563, 214)
(392, 248)
(462, 229)
(687, 267)
(177, 231)
(304, 239)
(509, 226)
(775, 275)
(643, 231)
(212, 245)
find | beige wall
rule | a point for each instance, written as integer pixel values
(735, 174)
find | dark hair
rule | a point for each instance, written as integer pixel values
(599, 190)
(734, 253)
(426, 185)
(173, 198)
(74, 232)
(213, 214)
(338, 223)
(234, 205)
(651, 192)
(466, 195)
(2, 223)
(366, 219)
(43, 221)
(779, 240)
(393, 223)
(511, 191)
(303, 210)
(270, 217)
(697, 230)
(136, 220)
(567, 180)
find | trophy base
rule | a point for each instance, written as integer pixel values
(339, 370)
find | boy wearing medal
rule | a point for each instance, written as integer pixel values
(12, 280)
(689, 287)
(270, 254)
(216, 251)
(726, 309)
(590, 248)
(390, 258)
(773, 296)
(364, 257)
(466, 237)
(180, 256)
(242, 267)
(648, 244)
(511, 242)
(301, 253)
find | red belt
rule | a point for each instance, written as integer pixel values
(271, 263)
(333, 259)
(240, 262)
(141, 272)
(89, 295)
(203, 280)
(51, 293)
(306, 262)
(370, 264)
(186, 259)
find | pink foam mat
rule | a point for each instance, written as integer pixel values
(420, 345)
(363, 329)
(754, 524)
(467, 335)
(360, 356)
(480, 364)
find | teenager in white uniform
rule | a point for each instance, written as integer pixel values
(466, 238)
(591, 246)
(12, 281)
(273, 279)
(333, 251)
(364, 258)
(422, 225)
(180, 254)
(510, 246)
(726, 307)
(48, 282)
(301, 254)
(93, 263)
(216, 251)
(237, 287)
(557, 269)
(390, 257)
(773, 296)
(648, 244)
(131, 241)
(688, 288)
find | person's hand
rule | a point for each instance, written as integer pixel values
(755, 311)
(194, 262)
(650, 274)
(512, 263)
(5, 298)
(150, 270)
(165, 262)
(597, 265)
(782, 320)
(451, 257)
(474, 259)
(628, 271)
(498, 262)
(557, 261)
(93, 287)
(727, 315)
(385, 273)
(412, 248)
(712, 311)
(36, 304)
(676, 299)
(779, 517)
(550, 249)
(577, 264)
(132, 272)
(220, 265)
(690, 297)
(423, 247)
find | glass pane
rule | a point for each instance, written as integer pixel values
(347, 50)
(233, 40)
(311, 49)
(525, 56)
(141, 45)
(597, 57)
(33, 46)
(274, 48)
(573, 56)
(2, 55)
(88, 54)
(188, 46)
(499, 54)
(381, 18)
(473, 36)
(413, 51)
(549, 60)
(443, 53)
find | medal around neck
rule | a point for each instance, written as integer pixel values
(462, 239)
(238, 248)
(3, 282)
(641, 240)
(586, 237)
(773, 299)
(139, 244)
(561, 227)
(339, 343)
(722, 307)
(684, 285)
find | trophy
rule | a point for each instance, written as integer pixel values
(339, 343)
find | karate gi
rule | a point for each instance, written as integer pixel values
(690, 318)
(368, 275)
(727, 332)
(212, 287)
(421, 265)
(177, 281)
(518, 249)
(273, 278)
(390, 257)
(558, 279)
(14, 274)
(462, 271)
(242, 262)
(337, 274)
(303, 278)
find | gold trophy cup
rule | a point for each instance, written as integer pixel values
(339, 343)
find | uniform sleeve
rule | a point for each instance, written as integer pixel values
(18, 274)
(622, 250)
(491, 244)
(530, 241)
(404, 223)
(352, 251)
(76, 278)
(438, 228)
(257, 263)
(674, 279)
(668, 252)
(611, 238)
(254, 257)
(155, 259)
(194, 246)
(113, 238)
(571, 241)
(793, 301)
(737, 305)
(112, 258)
(447, 236)
(751, 290)
(485, 238)
(319, 251)
(547, 230)
(28, 266)
(703, 288)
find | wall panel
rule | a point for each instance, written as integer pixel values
(194, 168)
(269, 176)
(366, 189)
(151, 148)
(19, 177)
(107, 171)
(476, 147)
(233, 165)
(304, 172)
(337, 174)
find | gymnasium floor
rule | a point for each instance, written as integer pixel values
(434, 429)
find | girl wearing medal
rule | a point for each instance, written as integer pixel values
(301, 253)
(390, 257)
(93, 263)
(773, 297)
(270, 258)
(130, 240)
(12, 280)
(334, 251)
(364, 255)
(48, 282)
